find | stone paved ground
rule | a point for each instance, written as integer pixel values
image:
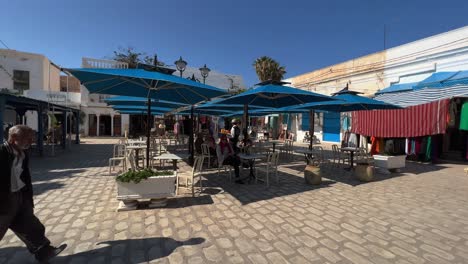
(417, 216)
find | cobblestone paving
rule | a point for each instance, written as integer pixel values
(417, 216)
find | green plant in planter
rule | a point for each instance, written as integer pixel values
(138, 176)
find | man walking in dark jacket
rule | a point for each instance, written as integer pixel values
(16, 196)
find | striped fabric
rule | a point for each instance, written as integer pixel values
(415, 121)
(423, 96)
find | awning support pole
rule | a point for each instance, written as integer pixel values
(311, 127)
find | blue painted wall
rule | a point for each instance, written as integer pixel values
(331, 127)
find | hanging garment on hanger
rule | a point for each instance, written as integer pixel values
(363, 142)
(346, 123)
(428, 149)
(345, 139)
(452, 114)
(352, 142)
(407, 146)
(464, 117)
(373, 145)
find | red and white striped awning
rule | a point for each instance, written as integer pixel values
(414, 121)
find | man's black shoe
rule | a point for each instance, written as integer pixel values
(239, 182)
(49, 252)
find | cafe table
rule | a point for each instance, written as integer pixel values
(174, 157)
(351, 151)
(251, 158)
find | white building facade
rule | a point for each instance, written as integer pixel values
(35, 76)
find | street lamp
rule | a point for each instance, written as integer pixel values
(204, 72)
(180, 65)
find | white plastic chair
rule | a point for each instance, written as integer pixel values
(206, 154)
(287, 148)
(118, 156)
(270, 165)
(188, 179)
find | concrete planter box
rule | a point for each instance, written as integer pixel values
(156, 188)
(389, 163)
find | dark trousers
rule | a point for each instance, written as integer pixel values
(17, 214)
(234, 162)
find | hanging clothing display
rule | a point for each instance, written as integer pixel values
(452, 114)
(345, 141)
(464, 117)
(377, 145)
(346, 123)
(363, 142)
(352, 142)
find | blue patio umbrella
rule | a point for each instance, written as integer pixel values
(165, 110)
(273, 95)
(142, 83)
(268, 111)
(131, 100)
(138, 112)
(216, 105)
(146, 84)
(346, 103)
(141, 108)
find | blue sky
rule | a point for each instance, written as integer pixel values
(226, 35)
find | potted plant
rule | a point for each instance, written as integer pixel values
(145, 184)
(312, 173)
(364, 171)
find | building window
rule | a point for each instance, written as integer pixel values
(20, 80)
(103, 97)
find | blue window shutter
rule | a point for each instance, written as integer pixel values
(305, 122)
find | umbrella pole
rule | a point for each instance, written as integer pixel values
(311, 127)
(246, 120)
(191, 136)
(148, 132)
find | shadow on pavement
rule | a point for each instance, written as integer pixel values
(127, 251)
(289, 184)
(40, 188)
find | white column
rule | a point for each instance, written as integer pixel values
(97, 129)
(112, 125)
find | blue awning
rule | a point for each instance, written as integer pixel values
(395, 88)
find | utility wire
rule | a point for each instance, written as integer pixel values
(4, 44)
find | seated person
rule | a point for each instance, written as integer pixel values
(198, 143)
(226, 156)
(210, 141)
(253, 133)
(282, 135)
(246, 144)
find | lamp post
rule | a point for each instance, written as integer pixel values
(204, 72)
(180, 65)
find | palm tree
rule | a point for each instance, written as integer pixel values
(268, 69)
